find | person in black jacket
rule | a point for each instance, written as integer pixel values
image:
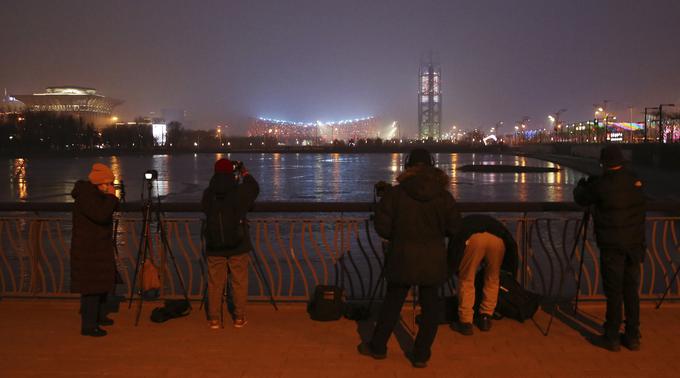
(618, 208)
(93, 266)
(225, 203)
(481, 238)
(415, 217)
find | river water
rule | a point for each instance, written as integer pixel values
(285, 177)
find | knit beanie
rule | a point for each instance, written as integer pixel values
(224, 166)
(419, 155)
(611, 156)
(100, 174)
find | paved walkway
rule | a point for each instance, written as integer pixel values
(41, 338)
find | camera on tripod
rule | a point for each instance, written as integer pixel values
(238, 167)
(151, 175)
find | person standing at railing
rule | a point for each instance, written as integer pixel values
(618, 208)
(415, 217)
(481, 238)
(225, 203)
(93, 267)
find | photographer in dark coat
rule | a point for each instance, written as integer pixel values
(618, 208)
(93, 266)
(415, 217)
(225, 203)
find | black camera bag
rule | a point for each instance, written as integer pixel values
(327, 303)
(514, 301)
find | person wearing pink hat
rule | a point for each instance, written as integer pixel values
(93, 267)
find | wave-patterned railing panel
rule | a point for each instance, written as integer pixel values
(293, 254)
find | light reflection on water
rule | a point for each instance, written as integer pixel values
(286, 177)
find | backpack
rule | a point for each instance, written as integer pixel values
(514, 301)
(224, 224)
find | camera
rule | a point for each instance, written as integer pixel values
(151, 174)
(381, 187)
(238, 166)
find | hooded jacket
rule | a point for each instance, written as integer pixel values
(415, 217)
(93, 267)
(224, 184)
(618, 209)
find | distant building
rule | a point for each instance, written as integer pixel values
(159, 128)
(429, 101)
(83, 103)
(10, 105)
(307, 133)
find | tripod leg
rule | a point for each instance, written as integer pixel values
(258, 269)
(166, 245)
(147, 246)
(583, 250)
(141, 255)
(668, 288)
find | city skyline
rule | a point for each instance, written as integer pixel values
(306, 61)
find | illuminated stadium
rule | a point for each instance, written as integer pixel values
(307, 133)
(83, 103)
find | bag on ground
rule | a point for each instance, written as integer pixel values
(150, 278)
(171, 309)
(327, 303)
(514, 301)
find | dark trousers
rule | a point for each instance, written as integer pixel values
(389, 315)
(621, 282)
(91, 310)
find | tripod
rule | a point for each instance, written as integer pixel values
(145, 248)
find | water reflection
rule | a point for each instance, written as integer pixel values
(289, 177)
(161, 164)
(18, 179)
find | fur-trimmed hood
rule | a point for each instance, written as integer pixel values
(423, 183)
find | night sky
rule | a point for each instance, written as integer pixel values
(224, 61)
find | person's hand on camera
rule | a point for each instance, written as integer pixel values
(244, 170)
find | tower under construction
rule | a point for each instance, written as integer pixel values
(429, 101)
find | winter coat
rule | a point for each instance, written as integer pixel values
(477, 223)
(224, 184)
(415, 217)
(618, 209)
(93, 266)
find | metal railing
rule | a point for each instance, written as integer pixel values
(300, 245)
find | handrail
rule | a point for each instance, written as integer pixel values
(335, 207)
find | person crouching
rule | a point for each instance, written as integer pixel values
(481, 238)
(93, 266)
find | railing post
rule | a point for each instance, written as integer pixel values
(525, 249)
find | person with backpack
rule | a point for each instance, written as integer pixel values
(415, 216)
(225, 203)
(93, 265)
(618, 207)
(482, 238)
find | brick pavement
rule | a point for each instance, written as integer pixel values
(41, 338)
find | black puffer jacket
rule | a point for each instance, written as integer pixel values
(93, 267)
(416, 216)
(618, 209)
(223, 184)
(477, 223)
